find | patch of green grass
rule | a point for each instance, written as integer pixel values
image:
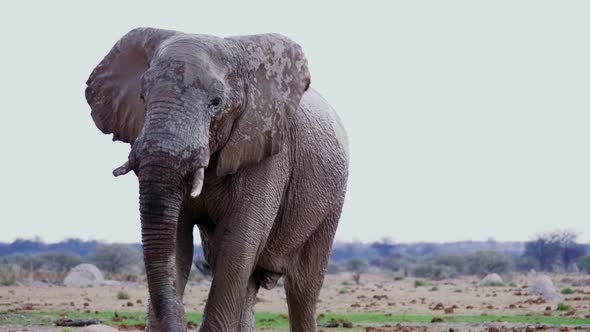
(398, 278)
(513, 284)
(121, 295)
(379, 318)
(563, 306)
(276, 321)
(66, 329)
(419, 283)
(345, 283)
(567, 291)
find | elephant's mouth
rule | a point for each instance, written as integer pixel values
(196, 179)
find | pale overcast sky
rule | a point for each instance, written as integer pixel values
(466, 119)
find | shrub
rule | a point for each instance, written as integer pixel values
(116, 258)
(563, 306)
(57, 261)
(567, 291)
(398, 278)
(121, 295)
(419, 283)
(434, 271)
(9, 274)
(356, 264)
(486, 262)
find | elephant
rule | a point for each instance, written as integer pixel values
(225, 134)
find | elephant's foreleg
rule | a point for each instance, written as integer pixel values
(247, 322)
(234, 253)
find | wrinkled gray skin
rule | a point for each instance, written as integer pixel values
(235, 117)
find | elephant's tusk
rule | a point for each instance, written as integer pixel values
(198, 179)
(123, 169)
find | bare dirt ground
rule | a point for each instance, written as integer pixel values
(377, 293)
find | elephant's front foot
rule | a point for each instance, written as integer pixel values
(154, 326)
(152, 322)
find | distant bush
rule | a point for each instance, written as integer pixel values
(116, 258)
(563, 306)
(567, 291)
(450, 265)
(419, 283)
(486, 262)
(491, 283)
(398, 278)
(356, 264)
(426, 270)
(9, 274)
(121, 295)
(395, 263)
(57, 261)
(526, 263)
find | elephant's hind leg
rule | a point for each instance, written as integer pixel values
(304, 281)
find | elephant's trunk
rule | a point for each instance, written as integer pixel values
(170, 158)
(161, 193)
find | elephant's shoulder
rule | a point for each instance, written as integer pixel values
(319, 119)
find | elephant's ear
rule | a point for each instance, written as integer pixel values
(277, 77)
(113, 88)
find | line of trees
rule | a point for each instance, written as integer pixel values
(554, 252)
(118, 260)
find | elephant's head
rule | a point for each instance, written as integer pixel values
(182, 100)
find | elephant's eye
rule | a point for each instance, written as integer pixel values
(215, 101)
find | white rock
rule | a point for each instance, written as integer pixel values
(99, 328)
(492, 280)
(84, 275)
(544, 287)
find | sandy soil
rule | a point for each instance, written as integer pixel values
(377, 293)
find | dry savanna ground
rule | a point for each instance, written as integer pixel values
(378, 303)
